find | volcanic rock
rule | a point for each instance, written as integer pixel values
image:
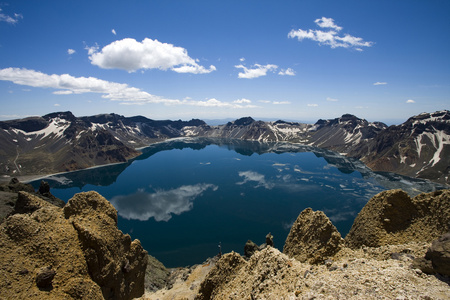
(250, 248)
(44, 277)
(86, 256)
(221, 274)
(392, 217)
(114, 262)
(439, 254)
(313, 238)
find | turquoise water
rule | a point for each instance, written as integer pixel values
(182, 198)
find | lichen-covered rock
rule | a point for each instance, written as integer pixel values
(75, 253)
(115, 262)
(222, 273)
(313, 238)
(392, 217)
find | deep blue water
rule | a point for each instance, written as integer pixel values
(182, 198)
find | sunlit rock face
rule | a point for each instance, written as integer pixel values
(75, 252)
(393, 217)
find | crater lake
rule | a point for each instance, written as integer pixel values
(184, 197)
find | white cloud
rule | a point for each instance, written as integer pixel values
(114, 31)
(327, 23)
(70, 51)
(380, 83)
(10, 19)
(131, 55)
(243, 103)
(281, 102)
(93, 49)
(242, 59)
(56, 104)
(264, 101)
(62, 92)
(67, 84)
(312, 105)
(410, 101)
(257, 70)
(330, 38)
(243, 100)
(288, 71)
(332, 99)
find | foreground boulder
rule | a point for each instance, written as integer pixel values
(437, 258)
(71, 253)
(392, 217)
(313, 238)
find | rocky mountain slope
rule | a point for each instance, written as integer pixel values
(420, 148)
(60, 142)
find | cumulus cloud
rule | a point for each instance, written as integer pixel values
(66, 84)
(256, 71)
(410, 101)
(332, 99)
(380, 83)
(327, 23)
(332, 37)
(250, 176)
(131, 55)
(70, 51)
(10, 19)
(114, 31)
(312, 105)
(161, 204)
(288, 71)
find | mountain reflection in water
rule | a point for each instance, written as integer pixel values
(182, 197)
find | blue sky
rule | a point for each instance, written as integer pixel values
(292, 60)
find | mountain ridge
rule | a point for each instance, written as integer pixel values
(60, 141)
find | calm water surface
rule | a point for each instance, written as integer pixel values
(183, 197)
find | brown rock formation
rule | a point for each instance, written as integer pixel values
(50, 253)
(313, 238)
(221, 274)
(392, 217)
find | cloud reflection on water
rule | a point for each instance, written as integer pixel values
(161, 204)
(256, 177)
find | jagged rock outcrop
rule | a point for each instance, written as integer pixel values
(73, 253)
(250, 248)
(222, 273)
(9, 194)
(392, 217)
(312, 238)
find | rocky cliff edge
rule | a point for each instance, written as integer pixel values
(74, 252)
